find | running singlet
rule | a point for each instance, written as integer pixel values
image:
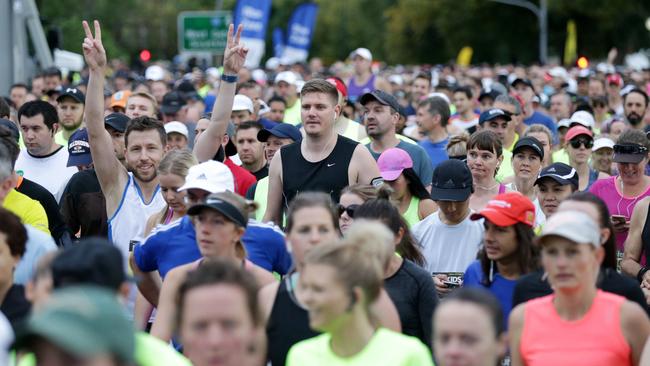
(385, 348)
(645, 237)
(411, 215)
(329, 175)
(126, 226)
(355, 91)
(288, 324)
(596, 339)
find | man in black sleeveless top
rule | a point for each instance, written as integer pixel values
(324, 161)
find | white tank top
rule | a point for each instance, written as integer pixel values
(126, 226)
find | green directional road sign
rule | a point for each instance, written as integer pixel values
(203, 31)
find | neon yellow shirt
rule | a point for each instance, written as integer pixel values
(292, 114)
(561, 156)
(261, 195)
(30, 211)
(412, 216)
(505, 169)
(385, 348)
(366, 140)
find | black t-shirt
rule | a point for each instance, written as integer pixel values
(83, 205)
(15, 306)
(329, 175)
(412, 291)
(532, 286)
(56, 224)
(262, 173)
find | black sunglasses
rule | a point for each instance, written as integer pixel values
(577, 142)
(350, 210)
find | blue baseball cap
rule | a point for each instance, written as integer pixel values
(281, 130)
(79, 149)
(492, 113)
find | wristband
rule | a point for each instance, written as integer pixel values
(229, 78)
(641, 273)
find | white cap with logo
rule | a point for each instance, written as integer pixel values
(211, 176)
(243, 103)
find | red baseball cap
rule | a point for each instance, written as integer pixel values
(340, 86)
(614, 79)
(576, 131)
(507, 209)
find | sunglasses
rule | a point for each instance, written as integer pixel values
(630, 149)
(586, 142)
(349, 210)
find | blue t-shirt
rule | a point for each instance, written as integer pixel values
(168, 247)
(173, 245)
(501, 287)
(542, 119)
(421, 162)
(437, 151)
(266, 247)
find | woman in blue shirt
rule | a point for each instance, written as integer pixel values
(508, 251)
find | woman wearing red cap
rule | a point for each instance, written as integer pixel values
(508, 252)
(579, 141)
(413, 200)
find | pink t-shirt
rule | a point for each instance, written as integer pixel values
(617, 204)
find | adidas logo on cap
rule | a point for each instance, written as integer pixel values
(202, 177)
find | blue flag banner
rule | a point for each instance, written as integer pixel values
(300, 32)
(278, 42)
(254, 16)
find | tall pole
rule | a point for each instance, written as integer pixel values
(541, 12)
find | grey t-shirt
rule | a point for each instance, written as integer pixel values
(421, 162)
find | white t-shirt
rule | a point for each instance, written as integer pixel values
(448, 248)
(50, 171)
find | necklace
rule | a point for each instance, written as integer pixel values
(487, 188)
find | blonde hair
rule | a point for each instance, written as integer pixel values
(146, 95)
(373, 237)
(457, 145)
(177, 162)
(355, 266)
(364, 191)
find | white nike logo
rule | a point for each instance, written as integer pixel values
(329, 165)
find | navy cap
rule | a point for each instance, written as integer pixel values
(122, 74)
(73, 93)
(188, 91)
(382, 97)
(172, 102)
(452, 181)
(117, 120)
(79, 149)
(281, 130)
(488, 93)
(531, 143)
(561, 173)
(493, 113)
(521, 80)
(11, 127)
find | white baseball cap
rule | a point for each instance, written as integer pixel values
(211, 176)
(564, 122)
(363, 52)
(243, 103)
(288, 77)
(584, 118)
(396, 79)
(155, 73)
(177, 127)
(603, 142)
(576, 226)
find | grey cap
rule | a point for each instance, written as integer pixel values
(572, 225)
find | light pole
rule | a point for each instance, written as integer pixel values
(541, 12)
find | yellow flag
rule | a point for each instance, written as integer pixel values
(465, 56)
(571, 45)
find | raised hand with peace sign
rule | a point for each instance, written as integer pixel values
(93, 48)
(234, 55)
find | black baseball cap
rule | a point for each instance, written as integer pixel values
(91, 261)
(492, 113)
(117, 120)
(382, 97)
(488, 93)
(79, 149)
(452, 181)
(561, 173)
(629, 153)
(172, 102)
(529, 142)
(281, 130)
(215, 202)
(11, 127)
(73, 93)
(521, 80)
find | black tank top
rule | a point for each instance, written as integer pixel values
(329, 175)
(287, 325)
(645, 238)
